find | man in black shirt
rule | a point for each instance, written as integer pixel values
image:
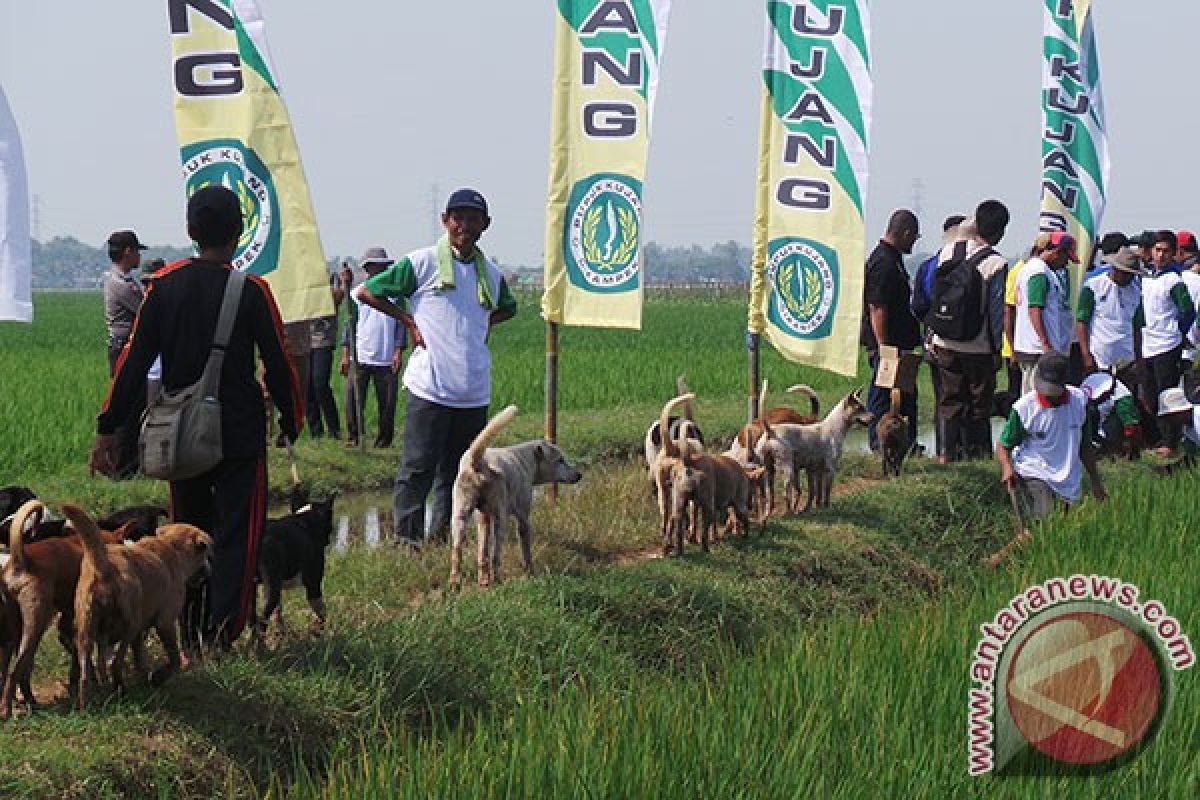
(887, 314)
(179, 319)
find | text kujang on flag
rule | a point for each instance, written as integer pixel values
(16, 257)
(807, 271)
(234, 131)
(607, 56)
(1075, 161)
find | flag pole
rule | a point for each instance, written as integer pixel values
(752, 351)
(552, 391)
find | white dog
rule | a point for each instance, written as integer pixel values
(496, 483)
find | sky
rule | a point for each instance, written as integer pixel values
(395, 104)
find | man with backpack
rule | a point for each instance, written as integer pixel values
(887, 317)
(921, 298)
(966, 316)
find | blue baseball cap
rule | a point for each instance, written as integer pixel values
(467, 198)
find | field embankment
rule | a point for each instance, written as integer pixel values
(826, 658)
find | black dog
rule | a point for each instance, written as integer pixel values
(292, 552)
(144, 519)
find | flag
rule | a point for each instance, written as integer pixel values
(807, 269)
(1075, 162)
(16, 254)
(607, 57)
(234, 131)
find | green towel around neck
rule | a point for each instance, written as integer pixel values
(445, 265)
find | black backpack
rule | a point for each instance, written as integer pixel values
(956, 309)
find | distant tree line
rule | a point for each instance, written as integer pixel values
(64, 262)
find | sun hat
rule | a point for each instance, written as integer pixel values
(1172, 401)
(376, 256)
(1126, 261)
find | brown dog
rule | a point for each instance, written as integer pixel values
(125, 590)
(41, 579)
(893, 437)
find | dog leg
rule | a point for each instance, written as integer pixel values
(458, 527)
(273, 604)
(498, 521)
(483, 531)
(167, 635)
(22, 672)
(525, 533)
(317, 604)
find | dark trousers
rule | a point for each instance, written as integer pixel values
(435, 438)
(321, 407)
(935, 378)
(229, 503)
(385, 399)
(128, 459)
(1162, 372)
(879, 401)
(965, 407)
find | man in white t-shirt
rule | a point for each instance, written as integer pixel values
(378, 350)
(455, 294)
(1043, 306)
(1047, 440)
(1169, 314)
(1109, 318)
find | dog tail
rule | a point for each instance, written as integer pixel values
(670, 448)
(95, 550)
(489, 432)
(681, 389)
(896, 397)
(16, 531)
(813, 399)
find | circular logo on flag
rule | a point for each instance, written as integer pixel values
(1085, 688)
(803, 276)
(603, 233)
(228, 163)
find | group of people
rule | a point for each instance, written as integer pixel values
(442, 300)
(1111, 369)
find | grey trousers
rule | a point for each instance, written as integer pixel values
(435, 438)
(1037, 498)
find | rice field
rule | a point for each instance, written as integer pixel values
(827, 658)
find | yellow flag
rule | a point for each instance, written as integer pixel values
(234, 131)
(606, 76)
(807, 276)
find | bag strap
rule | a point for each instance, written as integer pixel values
(211, 378)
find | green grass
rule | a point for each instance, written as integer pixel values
(827, 658)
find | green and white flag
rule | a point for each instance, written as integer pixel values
(1075, 162)
(16, 302)
(234, 130)
(607, 56)
(807, 269)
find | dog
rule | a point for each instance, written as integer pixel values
(667, 457)
(892, 431)
(494, 483)
(292, 553)
(144, 519)
(676, 427)
(708, 483)
(11, 500)
(10, 637)
(41, 578)
(126, 589)
(743, 446)
(815, 448)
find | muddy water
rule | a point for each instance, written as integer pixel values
(856, 439)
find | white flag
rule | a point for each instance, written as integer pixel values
(16, 250)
